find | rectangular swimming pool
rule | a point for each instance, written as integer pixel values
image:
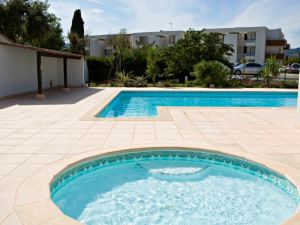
(134, 104)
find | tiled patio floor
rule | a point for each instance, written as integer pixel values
(36, 133)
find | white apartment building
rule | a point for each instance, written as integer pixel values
(254, 44)
(100, 45)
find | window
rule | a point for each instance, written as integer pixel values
(143, 40)
(252, 51)
(245, 50)
(172, 39)
(246, 37)
(252, 36)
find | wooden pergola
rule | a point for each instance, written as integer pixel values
(42, 52)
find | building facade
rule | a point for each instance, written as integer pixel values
(101, 45)
(254, 44)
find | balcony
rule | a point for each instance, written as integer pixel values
(282, 42)
(278, 56)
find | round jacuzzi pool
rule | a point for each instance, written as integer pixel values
(174, 187)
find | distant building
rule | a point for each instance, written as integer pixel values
(254, 44)
(101, 46)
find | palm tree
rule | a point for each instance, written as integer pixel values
(271, 70)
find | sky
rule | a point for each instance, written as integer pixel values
(109, 16)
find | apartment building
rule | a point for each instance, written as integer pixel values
(254, 44)
(101, 45)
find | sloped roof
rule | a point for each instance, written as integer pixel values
(44, 51)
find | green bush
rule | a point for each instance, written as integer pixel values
(139, 81)
(99, 68)
(135, 62)
(210, 73)
(129, 80)
(289, 84)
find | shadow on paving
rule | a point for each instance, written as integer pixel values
(53, 97)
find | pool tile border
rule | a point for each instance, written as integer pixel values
(34, 205)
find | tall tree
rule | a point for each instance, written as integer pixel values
(121, 46)
(152, 63)
(77, 24)
(29, 22)
(192, 49)
(76, 35)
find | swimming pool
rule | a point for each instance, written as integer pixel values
(133, 104)
(174, 187)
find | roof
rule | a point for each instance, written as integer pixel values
(44, 51)
(162, 32)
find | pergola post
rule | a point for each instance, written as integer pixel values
(39, 94)
(66, 88)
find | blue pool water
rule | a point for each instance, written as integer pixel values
(145, 103)
(174, 187)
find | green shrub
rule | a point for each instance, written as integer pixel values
(135, 61)
(92, 84)
(129, 80)
(289, 84)
(99, 68)
(124, 79)
(210, 73)
(139, 81)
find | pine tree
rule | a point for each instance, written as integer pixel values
(77, 24)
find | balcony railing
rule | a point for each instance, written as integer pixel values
(279, 56)
(282, 42)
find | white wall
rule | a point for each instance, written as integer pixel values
(260, 49)
(232, 39)
(97, 48)
(49, 72)
(76, 72)
(18, 71)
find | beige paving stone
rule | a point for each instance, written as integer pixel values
(26, 169)
(10, 184)
(7, 203)
(4, 149)
(6, 168)
(43, 158)
(13, 158)
(2, 218)
(41, 212)
(12, 220)
(24, 149)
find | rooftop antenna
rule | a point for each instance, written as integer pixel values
(171, 25)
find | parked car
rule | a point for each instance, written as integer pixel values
(249, 69)
(284, 69)
(294, 68)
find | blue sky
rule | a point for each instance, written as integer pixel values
(109, 16)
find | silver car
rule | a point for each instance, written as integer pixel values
(249, 69)
(294, 68)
